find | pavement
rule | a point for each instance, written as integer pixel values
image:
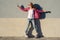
(25, 38)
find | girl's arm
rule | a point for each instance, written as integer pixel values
(42, 11)
(22, 8)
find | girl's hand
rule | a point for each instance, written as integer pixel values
(48, 11)
(18, 6)
(22, 6)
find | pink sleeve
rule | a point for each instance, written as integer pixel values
(24, 9)
(40, 11)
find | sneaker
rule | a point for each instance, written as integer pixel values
(30, 36)
(39, 36)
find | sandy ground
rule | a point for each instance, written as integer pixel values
(23, 38)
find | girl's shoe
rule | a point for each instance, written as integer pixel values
(30, 36)
(39, 36)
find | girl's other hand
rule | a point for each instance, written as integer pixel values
(18, 6)
(48, 11)
(22, 6)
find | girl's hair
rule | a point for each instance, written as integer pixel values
(31, 4)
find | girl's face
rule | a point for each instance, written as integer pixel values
(30, 5)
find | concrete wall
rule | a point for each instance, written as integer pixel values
(16, 27)
(13, 20)
(8, 8)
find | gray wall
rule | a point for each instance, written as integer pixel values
(8, 8)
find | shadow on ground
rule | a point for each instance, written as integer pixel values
(25, 38)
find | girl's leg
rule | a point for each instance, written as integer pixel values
(31, 28)
(27, 28)
(38, 28)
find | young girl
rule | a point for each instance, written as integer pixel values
(30, 11)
